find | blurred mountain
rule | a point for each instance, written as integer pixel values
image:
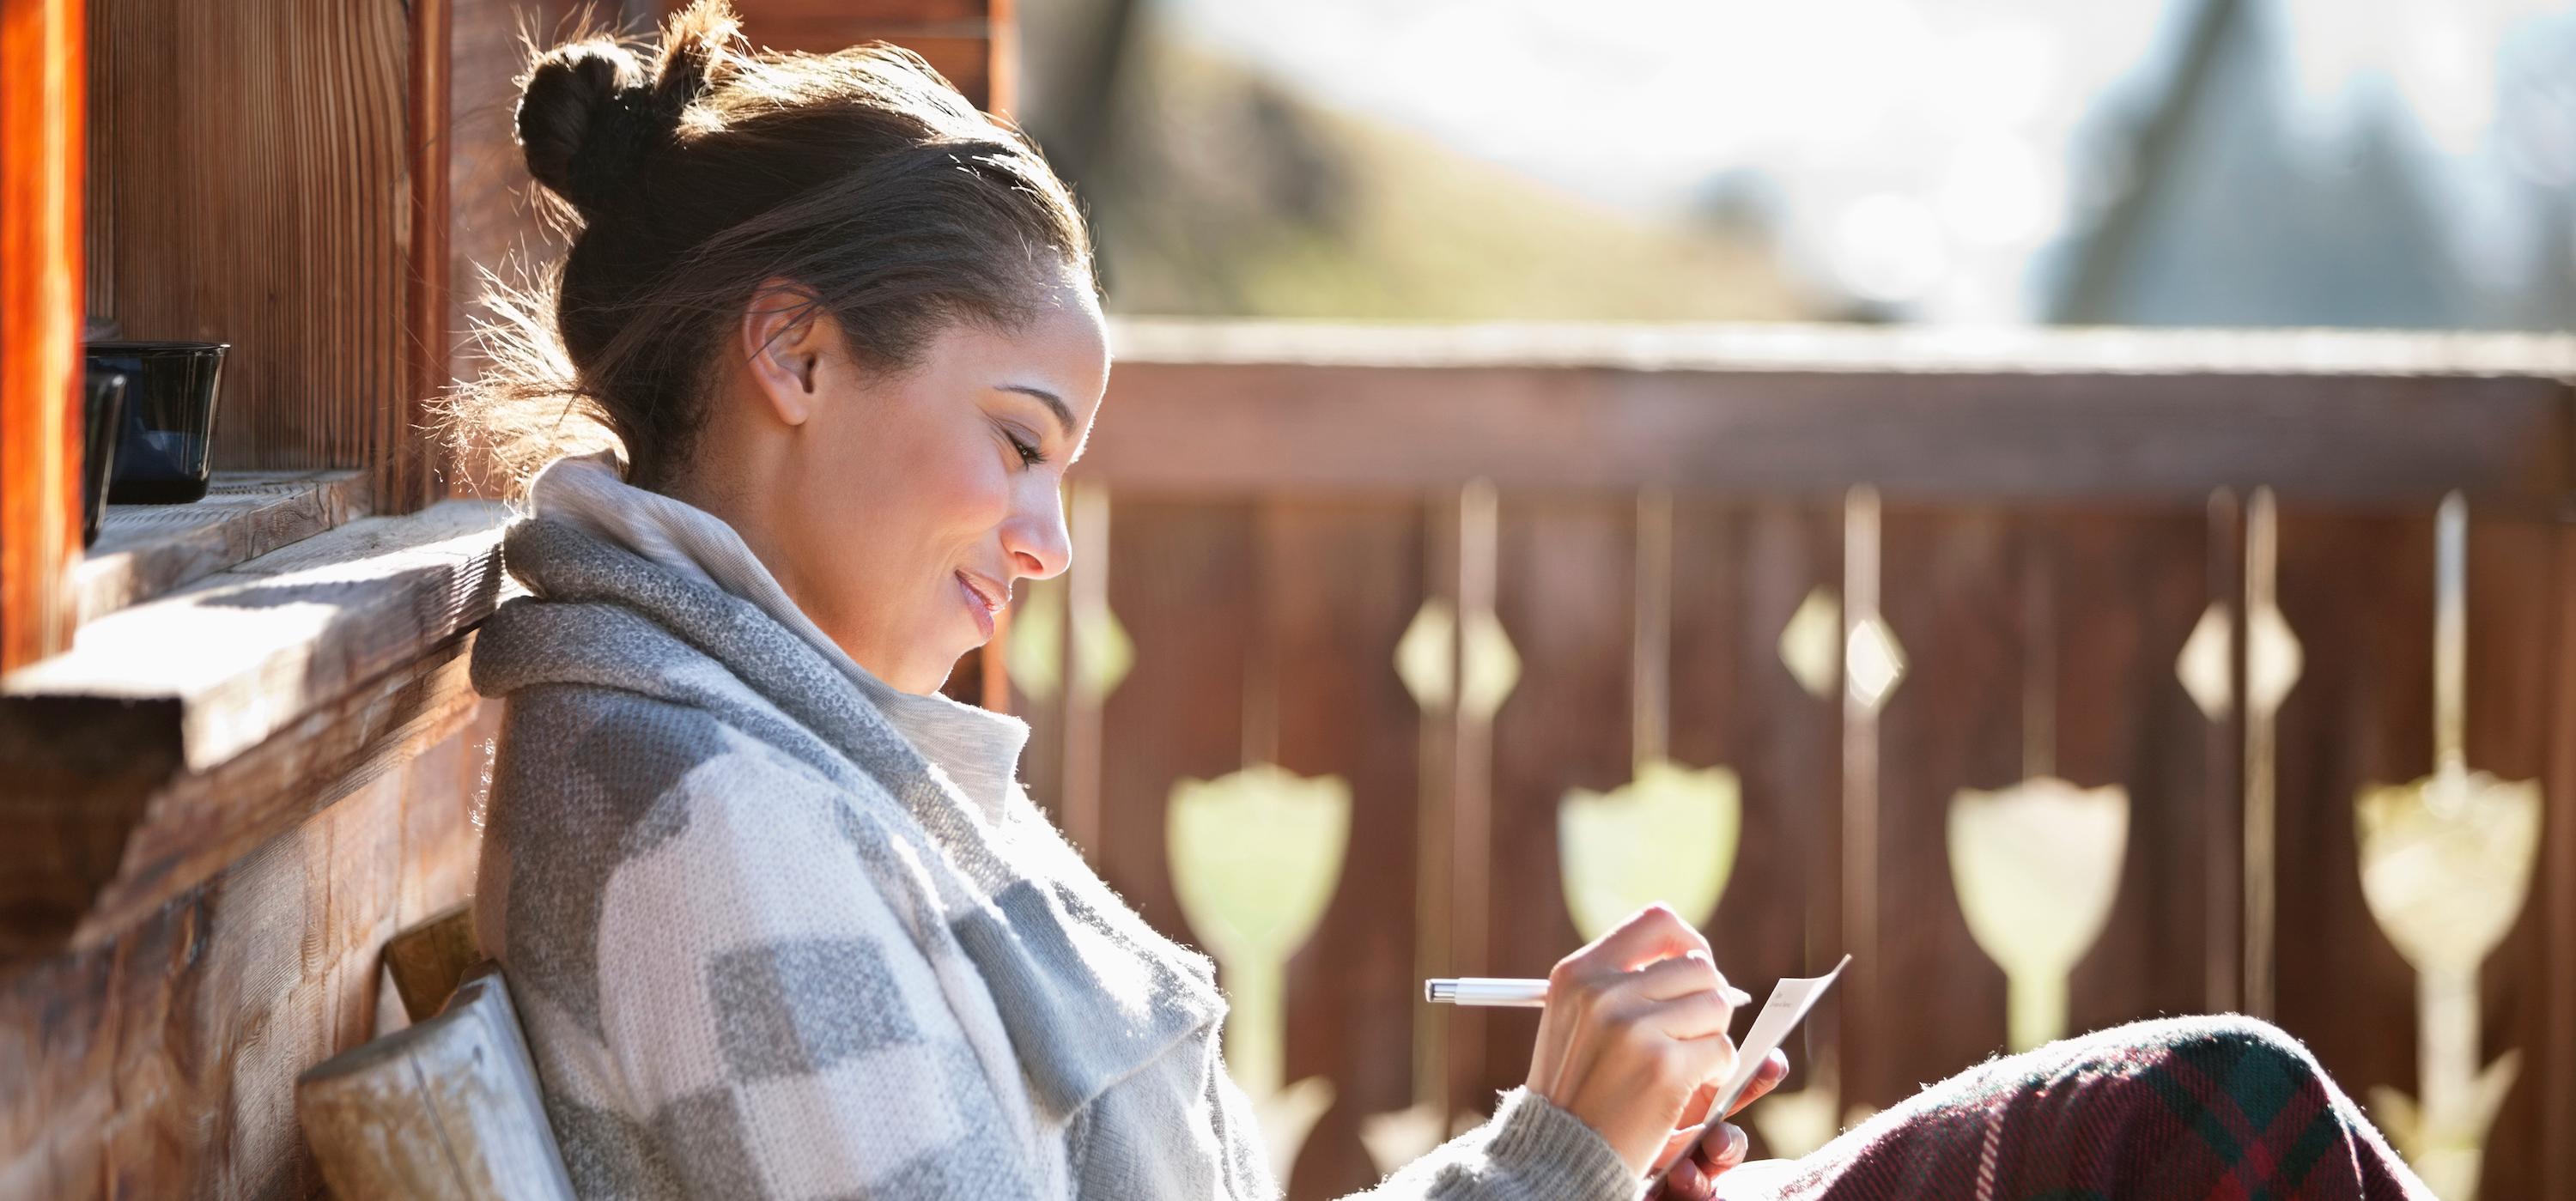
(1216, 191)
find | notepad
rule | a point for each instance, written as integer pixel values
(1788, 1005)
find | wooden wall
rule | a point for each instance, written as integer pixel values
(162, 1063)
(969, 41)
(250, 184)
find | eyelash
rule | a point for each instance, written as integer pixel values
(1030, 456)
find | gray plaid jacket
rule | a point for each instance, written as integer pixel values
(764, 949)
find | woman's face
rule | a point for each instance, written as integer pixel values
(899, 510)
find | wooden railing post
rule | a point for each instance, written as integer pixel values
(41, 93)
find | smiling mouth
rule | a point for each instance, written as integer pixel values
(991, 605)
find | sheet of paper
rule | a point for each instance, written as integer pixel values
(1789, 1003)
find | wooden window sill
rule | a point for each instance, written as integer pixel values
(144, 551)
(181, 732)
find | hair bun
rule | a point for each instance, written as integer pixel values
(589, 114)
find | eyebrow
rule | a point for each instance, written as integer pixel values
(1063, 415)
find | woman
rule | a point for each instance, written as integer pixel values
(780, 920)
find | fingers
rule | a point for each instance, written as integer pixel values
(1723, 1149)
(1694, 1177)
(1681, 975)
(1652, 933)
(1773, 1069)
(1693, 1016)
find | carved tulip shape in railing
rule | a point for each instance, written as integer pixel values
(1255, 858)
(1669, 835)
(2036, 867)
(2446, 865)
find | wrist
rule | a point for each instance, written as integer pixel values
(1535, 1138)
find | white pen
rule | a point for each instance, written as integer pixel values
(1521, 993)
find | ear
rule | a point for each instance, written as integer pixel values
(785, 335)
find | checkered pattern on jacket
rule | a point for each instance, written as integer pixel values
(763, 949)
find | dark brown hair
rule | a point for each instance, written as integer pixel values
(692, 174)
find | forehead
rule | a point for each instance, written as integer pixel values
(1061, 348)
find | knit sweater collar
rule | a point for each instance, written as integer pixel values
(978, 748)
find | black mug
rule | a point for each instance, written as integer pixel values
(166, 442)
(103, 421)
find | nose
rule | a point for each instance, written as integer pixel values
(1040, 547)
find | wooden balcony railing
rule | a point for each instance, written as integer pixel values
(2091, 655)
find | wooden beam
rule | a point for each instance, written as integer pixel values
(407, 469)
(42, 86)
(176, 735)
(1224, 409)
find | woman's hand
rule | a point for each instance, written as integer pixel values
(1695, 1178)
(1635, 1029)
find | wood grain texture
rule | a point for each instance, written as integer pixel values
(1739, 573)
(2358, 592)
(428, 961)
(1225, 410)
(406, 461)
(2123, 590)
(1182, 582)
(258, 192)
(2514, 597)
(447, 1109)
(97, 859)
(144, 551)
(160, 1063)
(960, 38)
(182, 732)
(1337, 586)
(1564, 592)
(41, 127)
(2554, 1064)
(234, 658)
(1951, 592)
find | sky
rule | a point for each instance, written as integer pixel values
(1918, 153)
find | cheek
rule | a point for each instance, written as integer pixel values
(952, 485)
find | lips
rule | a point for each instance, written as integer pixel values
(979, 601)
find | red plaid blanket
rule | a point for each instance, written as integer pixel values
(2194, 1109)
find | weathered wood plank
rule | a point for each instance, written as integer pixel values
(144, 551)
(965, 40)
(445, 1110)
(181, 732)
(160, 1064)
(2124, 589)
(236, 657)
(2513, 599)
(138, 839)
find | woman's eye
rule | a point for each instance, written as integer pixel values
(1029, 455)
